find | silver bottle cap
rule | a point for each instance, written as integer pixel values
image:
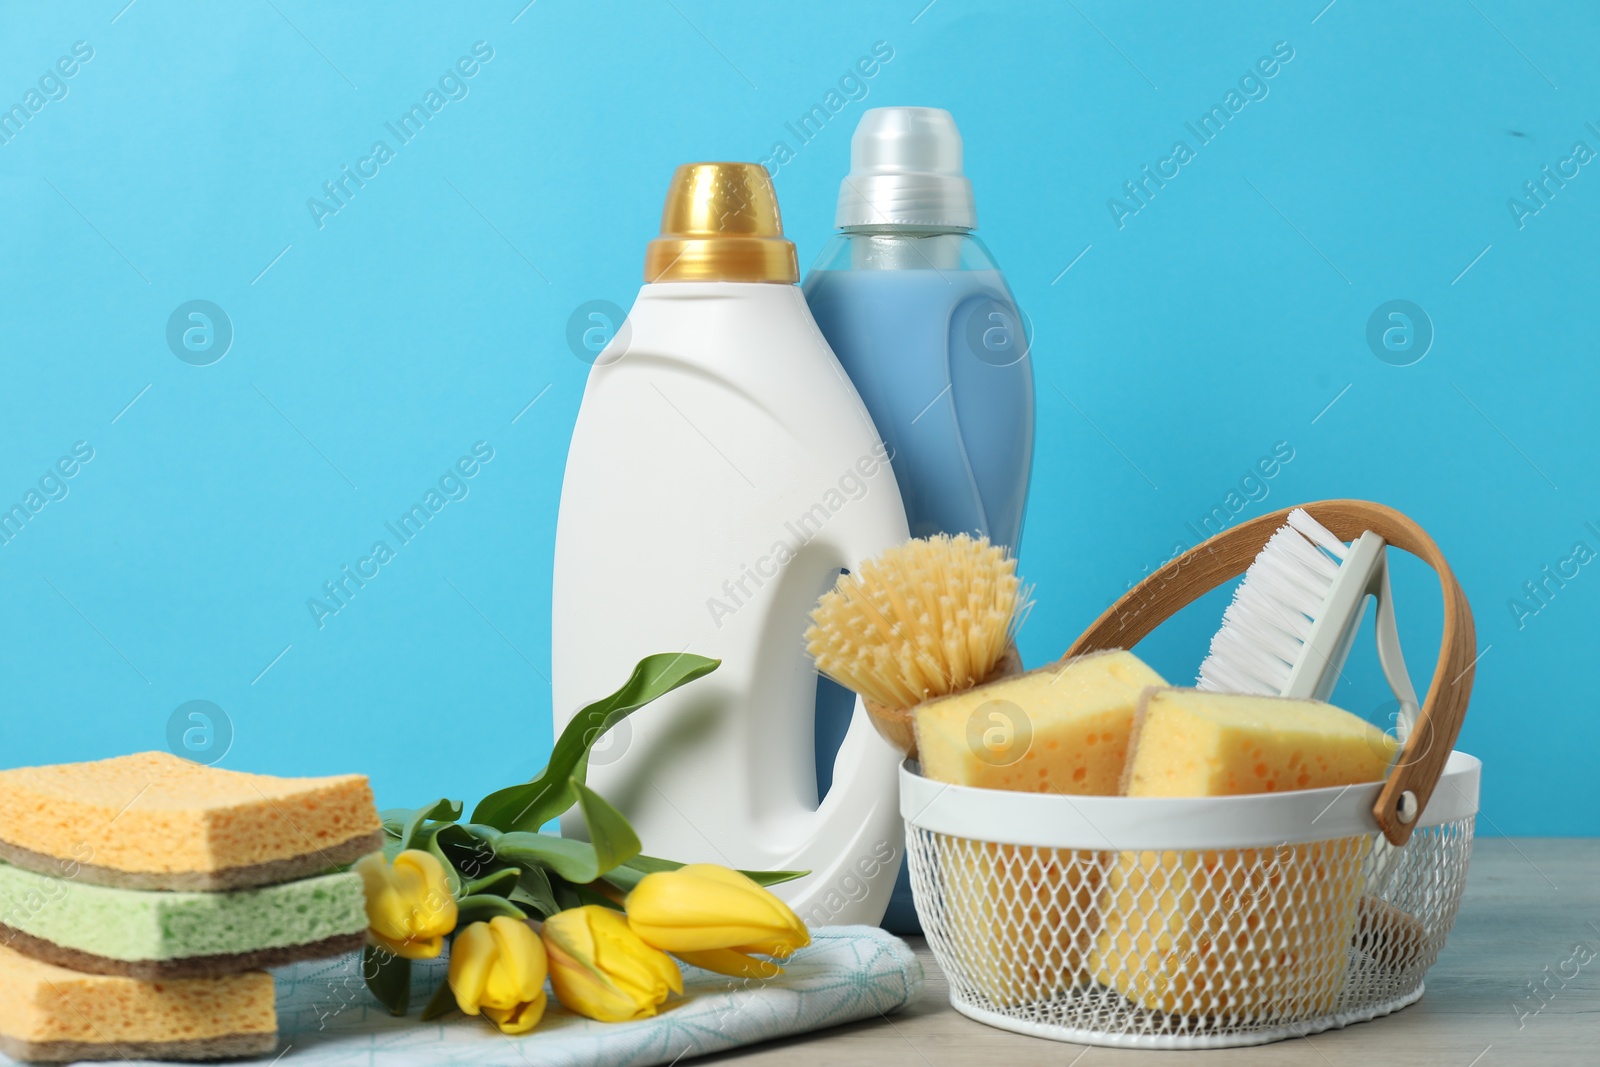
(905, 171)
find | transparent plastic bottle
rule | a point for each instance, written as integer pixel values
(923, 322)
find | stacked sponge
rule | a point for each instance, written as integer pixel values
(140, 896)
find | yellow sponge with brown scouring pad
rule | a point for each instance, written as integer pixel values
(1190, 743)
(1025, 912)
(1059, 729)
(1245, 932)
(51, 1014)
(155, 821)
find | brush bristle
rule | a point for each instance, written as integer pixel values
(1264, 630)
(929, 617)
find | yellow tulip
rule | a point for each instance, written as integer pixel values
(498, 968)
(715, 918)
(601, 969)
(409, 905)
(731, 962)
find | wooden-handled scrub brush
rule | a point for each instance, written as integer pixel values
(928, 618)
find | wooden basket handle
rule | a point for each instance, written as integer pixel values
(1227, 555)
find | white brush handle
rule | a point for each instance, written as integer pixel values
(1327, 644)
(1363, 573)
(1390, 658)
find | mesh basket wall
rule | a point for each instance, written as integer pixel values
(1187, 949)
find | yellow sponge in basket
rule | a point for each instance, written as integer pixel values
(1059, 729)
(1024, 913)
(1244, 932)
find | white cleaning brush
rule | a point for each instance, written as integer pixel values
(1290, 625)
(1289, 629)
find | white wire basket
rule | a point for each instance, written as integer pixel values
(1205, 922)
(1193, 923)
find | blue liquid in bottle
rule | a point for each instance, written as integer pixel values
(940, 359)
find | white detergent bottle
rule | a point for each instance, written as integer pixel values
(723, 470)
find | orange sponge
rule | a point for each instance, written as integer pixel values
(154, 821)
(48, 1013)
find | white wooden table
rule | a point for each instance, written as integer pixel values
(1530, 903)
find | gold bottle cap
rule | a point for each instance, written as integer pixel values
(721, 224)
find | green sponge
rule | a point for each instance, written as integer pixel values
(152, 934)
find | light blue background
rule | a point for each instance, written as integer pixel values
(369, 354)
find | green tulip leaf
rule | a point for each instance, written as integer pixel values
(577, 895)
(770, 878)
(403, 823)
(483, 907)
(528, 806)
(534, 892)
(613, 838)
(388, 977)
(443, 1002)
(499, 884)
(572, 860)
(471, 854)
(626, 875)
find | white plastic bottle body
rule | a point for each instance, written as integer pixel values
(722, 472)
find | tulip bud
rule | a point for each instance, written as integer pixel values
(715, 918)
(498, 968)
(601, 969)
(409, 905)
